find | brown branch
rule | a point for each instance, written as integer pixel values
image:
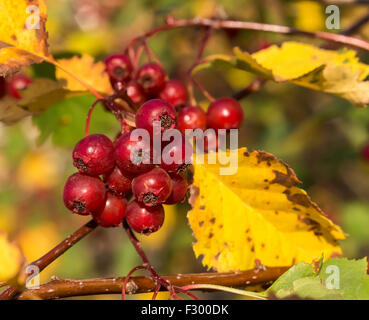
(54, 253)
(173, 23)
(252, 87)
(63, 288)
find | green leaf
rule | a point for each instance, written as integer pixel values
(337, 278)
(65, 121)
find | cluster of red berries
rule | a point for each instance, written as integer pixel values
(14, 85)
(110, 172)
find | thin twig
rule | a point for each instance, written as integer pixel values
(62, 288)
(252, 87)
(54, 253)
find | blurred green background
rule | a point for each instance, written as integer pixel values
(318, 135)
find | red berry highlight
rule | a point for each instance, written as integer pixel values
(83, 194)
(156, 110)
(113, 212)
(179, 189)
(191, 118)
(94, 155)
(153, 187)
(225, 113)
(133, 157)
(174, 92)
(143, 219)
(17, 84)
(119, 67)
(151, 77)
(118, 182)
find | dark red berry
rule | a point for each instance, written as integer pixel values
(144, 219)
(225, 113)
(176, 155)
(113, 212)
(191, 118)
(84, 194)
(118, 182)
(174, 92)
(211, 141)
(151, 77)
(179, 189)
(2, 87)
(131, 156)
(17, 84)
(365, 152)
(94, 155)
(136, 93)
(156, 110)
(153, 187)
(118, 67)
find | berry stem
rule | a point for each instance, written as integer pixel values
(88, 119)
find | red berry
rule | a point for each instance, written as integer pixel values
(131, 156)
(17, 84)
(174, 157)
(151, 77)
(2, 87)
(84, 194)
(94, 155)
(211, 142)
(225, 113)
(365, 153)
(113, 212)
(136, 93)
(191, 118)
(118, 67)
(144, 219)
(152, 187)
(118, 182)
(174, 92)
(179, 189)
(156, 110)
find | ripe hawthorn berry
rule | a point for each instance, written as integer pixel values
(112, 214)
(133, 157)
(191, 118)
(143, 219)
(156, 110)
(94, 155)
(153, 187)
(16, 84)
(118, 67)
(151, 77)
(225, 113)
(136, 93)
(174, 157)
(84, 194)
(179, 189)
(365, 152)
(174, 92)
(117, 182)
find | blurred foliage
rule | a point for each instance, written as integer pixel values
(320, 136)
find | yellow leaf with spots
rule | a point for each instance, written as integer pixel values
(23, 38)
(336, 72)
(91, 72)
(11, 259)
(257, 213)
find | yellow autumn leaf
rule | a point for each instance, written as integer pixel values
(309, 15)
(36, 98)
(23, 38)
(336, 72)
(91, 72)
(257, 213)
(11, 259)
